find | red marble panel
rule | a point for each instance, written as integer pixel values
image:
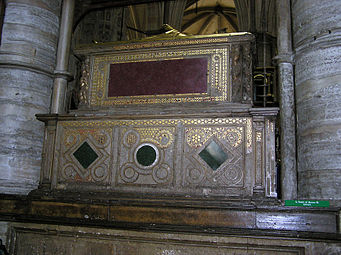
(180, 76)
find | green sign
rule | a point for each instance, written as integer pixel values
(307, 203)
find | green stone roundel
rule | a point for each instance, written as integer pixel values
(146, 155)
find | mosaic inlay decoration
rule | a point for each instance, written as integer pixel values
(213, 155)
(148, 152)
(85, 155)
(163, 136)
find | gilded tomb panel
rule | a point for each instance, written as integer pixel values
(180, 156)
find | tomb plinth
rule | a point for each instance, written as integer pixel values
(167, 118)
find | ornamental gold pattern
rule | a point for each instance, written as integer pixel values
(217, 79)
(258, 136)
(175, 43)
(178, 167)
(99, 140)
(84, 83)
(162, 136)
(246, 122)
(197, 137)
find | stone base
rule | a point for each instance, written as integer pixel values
(169, 215)
(22, 187)
(28, 238)
(122, 225)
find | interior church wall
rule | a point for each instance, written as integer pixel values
(107, 25)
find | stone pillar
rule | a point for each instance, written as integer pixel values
(61, 72)
(317, 43)
(287, 101)
(27, 61)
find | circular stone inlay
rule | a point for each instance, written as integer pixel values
(146, 155)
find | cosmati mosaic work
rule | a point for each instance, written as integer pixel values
(85, 155)
(176, 154)
(213, 155)
(145, 156)
(223, 165)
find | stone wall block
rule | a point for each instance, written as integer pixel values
(320, 110)
(320, 184)
(315, 63)
(313, 17)
(319, 156)
(22, 95)
(32, 16)
(23, 87)
(30, 35)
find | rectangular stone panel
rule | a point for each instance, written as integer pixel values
(51, 239)
(293, 221)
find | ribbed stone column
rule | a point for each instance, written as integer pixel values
(27, 61)
(317, 42)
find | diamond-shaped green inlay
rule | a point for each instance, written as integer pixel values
(213, 155)
(85, 155)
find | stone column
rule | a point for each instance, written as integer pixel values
(61, 72)
(27, 61)
(287, 101)
(317, 43)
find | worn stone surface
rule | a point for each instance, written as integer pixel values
(316, 29)
(4, 231)
(21, 98)
(29, 36)
(170, 214)
(288, 172)
(51, 239)
(313, 17)
(288, 132)
(27, 59)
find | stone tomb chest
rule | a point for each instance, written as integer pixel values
(167, 117)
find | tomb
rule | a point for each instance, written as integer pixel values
(167, 117)
(165, 153)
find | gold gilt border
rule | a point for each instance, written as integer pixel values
(246, 122)
(217, 78)
(182, 41)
